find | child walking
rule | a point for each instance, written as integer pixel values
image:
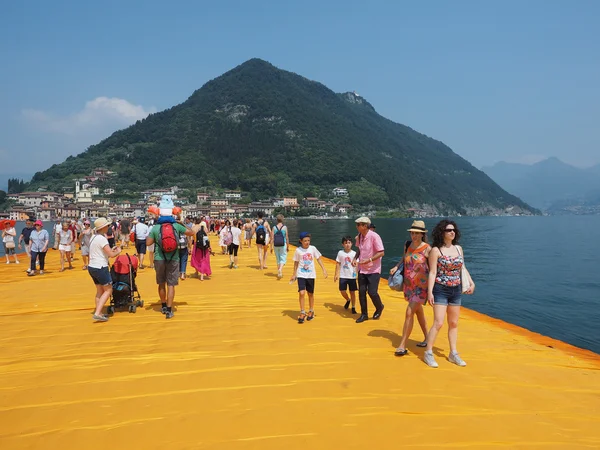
(305, 272)
(346, 272)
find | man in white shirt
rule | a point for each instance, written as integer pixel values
(141, 233)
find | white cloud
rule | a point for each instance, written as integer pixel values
(101, 113)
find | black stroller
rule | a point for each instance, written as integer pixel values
(125, 292)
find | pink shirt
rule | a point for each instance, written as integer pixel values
(369, 245)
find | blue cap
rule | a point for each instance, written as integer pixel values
(304, 234)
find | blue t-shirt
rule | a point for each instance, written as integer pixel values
(38, 240)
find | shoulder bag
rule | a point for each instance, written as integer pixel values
(464, 276)
(396, 281)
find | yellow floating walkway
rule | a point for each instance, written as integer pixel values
(233, 370)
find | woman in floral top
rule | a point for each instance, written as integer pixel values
(444, 289)
(416, 273)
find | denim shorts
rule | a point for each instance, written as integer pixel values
(447, 295)
(100, 276)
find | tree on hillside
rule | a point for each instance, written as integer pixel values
(15, 185)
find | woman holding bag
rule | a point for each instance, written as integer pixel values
(444, 289)
(8, 239)
(416, 274)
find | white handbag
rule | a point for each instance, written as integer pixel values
(464, 279)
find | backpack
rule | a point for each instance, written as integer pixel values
(228, 237)
(261, 234)
(182, 242)
(278, 237)
(168, 238)
(202, 241)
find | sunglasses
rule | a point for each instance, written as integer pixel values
(449, 230)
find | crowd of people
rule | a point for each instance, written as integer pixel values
(432, 274)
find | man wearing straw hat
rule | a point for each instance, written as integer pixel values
(370, 252)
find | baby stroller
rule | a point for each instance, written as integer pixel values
(125, 292)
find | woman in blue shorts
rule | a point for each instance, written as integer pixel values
(100, 251)
(444, 288)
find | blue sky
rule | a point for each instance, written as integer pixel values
(513, 80)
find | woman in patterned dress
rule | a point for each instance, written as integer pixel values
(416, 274)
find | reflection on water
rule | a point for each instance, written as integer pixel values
(535, 272)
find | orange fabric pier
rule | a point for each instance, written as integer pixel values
(233, 370)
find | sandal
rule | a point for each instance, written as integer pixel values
(422, 344)
(301, 318)
(310, 316)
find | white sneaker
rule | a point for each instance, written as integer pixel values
(430, 360)
(7, 262)
(17, 262)
(456, 359)
(28, 270)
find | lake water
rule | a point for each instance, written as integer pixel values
(536, 272)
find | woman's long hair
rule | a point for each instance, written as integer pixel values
(437, 235)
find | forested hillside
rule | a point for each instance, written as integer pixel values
(272, 132)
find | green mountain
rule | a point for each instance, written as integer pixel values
(272, 132)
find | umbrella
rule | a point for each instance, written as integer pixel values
(9, 221)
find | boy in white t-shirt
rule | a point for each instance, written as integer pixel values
(305, 272)
(346, 272)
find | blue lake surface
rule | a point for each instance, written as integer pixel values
(540, 273)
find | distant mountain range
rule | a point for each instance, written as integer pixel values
(551, 185)
(270, 132)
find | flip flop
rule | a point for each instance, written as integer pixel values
(422, 344)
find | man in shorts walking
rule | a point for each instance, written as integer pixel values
(166, 263)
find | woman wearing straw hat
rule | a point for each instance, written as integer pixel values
(100, 251)
(416, 274)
